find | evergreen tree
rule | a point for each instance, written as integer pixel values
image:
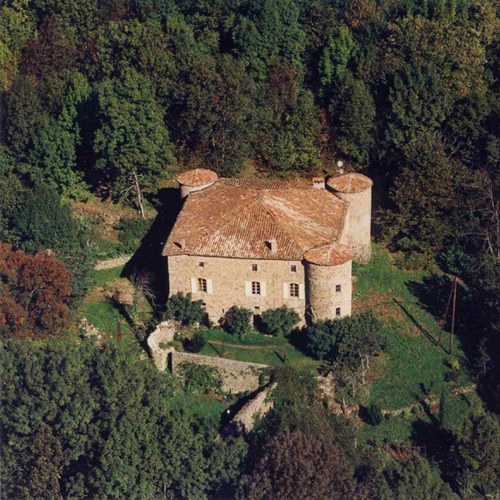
(132, 142)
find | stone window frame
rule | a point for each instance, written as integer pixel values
(293, 268)
(294, 290)
(337, 312)
(202, 285)
(338, 288)
(256, 288)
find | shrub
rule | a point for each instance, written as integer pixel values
(373, 414)
(279, 321)
(198, 341)
(184, 309)
(345, 340)
(132, 231)
(201, 378)
(236, 321)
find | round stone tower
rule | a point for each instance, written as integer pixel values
(357, 190)
(195, 180)
(328, 282)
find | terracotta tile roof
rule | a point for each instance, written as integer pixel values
(349, 183)
(329, 255)
(197, 177)
(272, 184)
(226, 220)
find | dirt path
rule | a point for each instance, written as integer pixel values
(249, 347)
(110, 263)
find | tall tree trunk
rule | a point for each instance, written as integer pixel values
(140, 198)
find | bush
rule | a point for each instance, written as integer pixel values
(182, 308)
(198, 341)
(201, 378)
(132, 231)
(373, 414)
(279, 321)
(345, 340)
(236, 321)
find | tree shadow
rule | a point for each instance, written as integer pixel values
(434, 441)
(298, 339)
(433, 294)
(148, 259)
(420, 328)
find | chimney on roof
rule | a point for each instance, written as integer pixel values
(318, 183)
(272, 245)
(181, 244)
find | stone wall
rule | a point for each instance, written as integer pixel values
(157, 343)
(245, 419)
(358, 232)
(228, 283)
(322, 297)
(237, 376)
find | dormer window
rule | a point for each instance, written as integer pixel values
(272, 245)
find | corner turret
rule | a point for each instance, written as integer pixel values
(357, 190)
(195, 180)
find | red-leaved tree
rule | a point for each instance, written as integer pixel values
(34, 290)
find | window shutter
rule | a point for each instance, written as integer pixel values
(263, 288)
(194, 285)
(301, 292)
(209, 287)
(248, 288)
(286, 290)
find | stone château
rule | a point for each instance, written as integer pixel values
(260, 243)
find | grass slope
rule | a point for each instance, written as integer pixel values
(409, 304)
(257, 348)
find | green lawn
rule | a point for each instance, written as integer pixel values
(412, 363)
(257, 348)
(102, 312)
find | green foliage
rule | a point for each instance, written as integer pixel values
(55, 146)
(414, 478)
(475, 459)
(184, 309)
(373, 414)
(109, 413)
(335, 57)
(345, 341)
(43, 222)
(13, 193)
(132, 142)
(198, 341)
(271, 34)
(201, 378)
(131, 233)
(236, 321)
(279, 322)
(425, 197)
(354, 118)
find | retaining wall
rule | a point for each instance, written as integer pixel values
(237, 376)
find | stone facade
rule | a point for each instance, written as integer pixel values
(229, 282)
(329, 290)
(237, 376)
(357, 231)
(262, 244)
